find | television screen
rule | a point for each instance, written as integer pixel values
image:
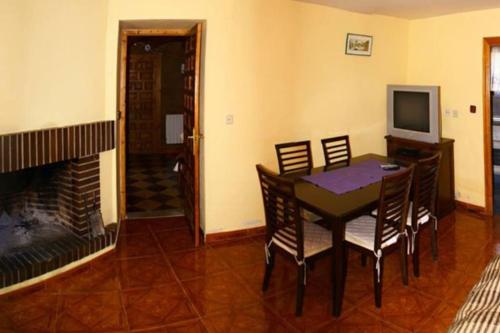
(411, 111)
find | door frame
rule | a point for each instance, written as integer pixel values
(122, 108)
(488, 43)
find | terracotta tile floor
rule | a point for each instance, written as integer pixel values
(156, 282)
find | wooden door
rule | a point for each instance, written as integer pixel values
(190, 169)
(143, 103)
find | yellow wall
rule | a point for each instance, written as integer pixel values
(447, 51)
(278, 66)
(337, 94)
(51, 63)
(52, 69)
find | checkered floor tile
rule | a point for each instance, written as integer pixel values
(152, 186)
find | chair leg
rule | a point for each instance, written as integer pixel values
(269, 268)
(404, 260)
(434, 242)
(363, 259)
(301, 272)
(416, 255)
(377, 285)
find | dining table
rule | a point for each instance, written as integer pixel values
(336, 209)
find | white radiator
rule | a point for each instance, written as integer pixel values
(174, 128)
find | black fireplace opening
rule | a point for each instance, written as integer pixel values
(46, 222)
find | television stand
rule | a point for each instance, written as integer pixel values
(409, 151)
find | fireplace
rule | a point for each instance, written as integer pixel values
(50, 199)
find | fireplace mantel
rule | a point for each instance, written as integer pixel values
(34, 148)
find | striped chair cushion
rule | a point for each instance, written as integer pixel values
(316, 239)
(361, 231)
(424, 219)
(481, 311)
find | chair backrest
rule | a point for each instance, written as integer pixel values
(393, 206)
(425, 187)
(294, 157)
(337, 150)
(281, 210)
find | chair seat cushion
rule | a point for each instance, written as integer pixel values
(422, 220)
(316, 239)
(361, 232)
(309, 216)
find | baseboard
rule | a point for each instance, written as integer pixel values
(470, 207)
(227, 235)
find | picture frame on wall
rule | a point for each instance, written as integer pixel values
(360, 45)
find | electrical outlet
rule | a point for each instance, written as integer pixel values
(447, 112)
(455, 113)
(229, 119)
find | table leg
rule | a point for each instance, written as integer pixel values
(338, 276)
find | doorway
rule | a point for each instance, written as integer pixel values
(491, 126)
(159, 124)
(154, 126)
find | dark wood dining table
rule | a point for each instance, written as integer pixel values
(336, 210)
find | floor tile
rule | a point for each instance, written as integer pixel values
(133, 227)
(175, 240)
(91, 312)
(144, 272)
(254, 318)
(100, 275)
(152, 185)
(137, 245)
(441, 319)
(316, 308)
(403, 306)
(240, 252)
(154, 307)
(284, 276)
(159, 225)
(35, 312)
(434, 280)
(359, 322)
(190, 326)
(220, 286)
(218, 292)
(195, 263)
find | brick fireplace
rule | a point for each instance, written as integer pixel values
(49, 190)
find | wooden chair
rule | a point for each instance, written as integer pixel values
(294, 157)
(336, 150)
(375, 236)
(286, 232)
(422, 209)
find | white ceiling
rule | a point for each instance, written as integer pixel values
(410, 9)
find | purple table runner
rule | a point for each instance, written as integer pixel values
(350, 178)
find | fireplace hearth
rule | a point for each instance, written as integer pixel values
(50, 199)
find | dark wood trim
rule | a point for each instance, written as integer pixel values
(471, 208)
(488, 163)
(235, 234)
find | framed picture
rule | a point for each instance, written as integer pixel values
(358, 45)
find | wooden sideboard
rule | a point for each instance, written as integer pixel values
(405, 150)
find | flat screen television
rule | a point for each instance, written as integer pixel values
(413, 112)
